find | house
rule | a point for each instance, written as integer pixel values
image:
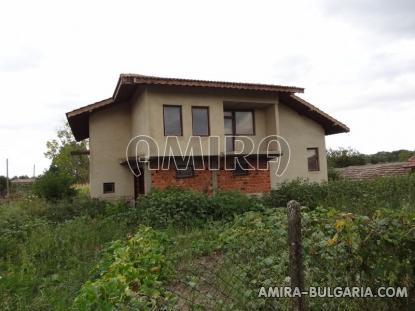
(182, 114)
(371, 171)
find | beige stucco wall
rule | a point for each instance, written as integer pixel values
(301, 133)
(109, 132)
(147, 114)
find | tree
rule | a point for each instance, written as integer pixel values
(343, 157)
(59, 151)
(3, 186)
(54, 185)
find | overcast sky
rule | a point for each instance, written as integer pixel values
(355, 59)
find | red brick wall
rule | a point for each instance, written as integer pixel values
(256, 181)
(165, 178)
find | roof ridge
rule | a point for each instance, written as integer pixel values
(136, 75)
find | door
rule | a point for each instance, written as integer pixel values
(139, 185)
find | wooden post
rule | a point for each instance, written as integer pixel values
(296, 258)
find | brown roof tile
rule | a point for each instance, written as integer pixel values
(371, 171)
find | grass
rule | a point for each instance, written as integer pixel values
(361, 197)
(44, 263)
(219, 256)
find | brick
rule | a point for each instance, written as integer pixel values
(257, 181)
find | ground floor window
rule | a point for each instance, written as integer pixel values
(109, 187)
(183, 171)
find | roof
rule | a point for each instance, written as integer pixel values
(127, 84)
(22, 180)
(371, 171)
(410, 163)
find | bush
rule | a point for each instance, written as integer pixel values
(188, 208)
(130, 275)
(174, 206)
(54, 185)
(362, 197)
(226, 205)
(339, 249)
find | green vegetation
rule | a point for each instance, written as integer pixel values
(130, 275)
(54, 185)
(3, 186)
(343, 157)
(59, 151)
(361, 197)
(187, 208)
(185, 250)
(47, 250)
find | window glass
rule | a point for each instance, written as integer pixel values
(172, 120)
(109, 187)
(183, 171)
(228, 126)
(312, 159)
(244, 123)
(200, 121)
(229, 143)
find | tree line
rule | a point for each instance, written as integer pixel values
(344, 157)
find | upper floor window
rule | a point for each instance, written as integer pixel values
(312, 159)
(244, 123)
(200, 121)
(239, 122)
(172, 116)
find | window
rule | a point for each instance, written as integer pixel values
(238, 123)
(244, 122)
(172, 116)
(241, 167)
(312, 158)
(184, 172)
(109, 187)
(200, 121)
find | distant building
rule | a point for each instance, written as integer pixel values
(371, 171)
(22, 181)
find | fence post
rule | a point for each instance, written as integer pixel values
(296, 259)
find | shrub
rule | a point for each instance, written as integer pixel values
(339, 249)
(188, 208)
(130, 275)
(308, 194)
(174, 206)
(364, 196)
(54, 185)
(226, 205)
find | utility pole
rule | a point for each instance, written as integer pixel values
(7, 178)
(34, 170)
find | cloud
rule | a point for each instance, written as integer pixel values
(356, 59)
(395, 17)
(19, 59)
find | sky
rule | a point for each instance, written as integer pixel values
(355, 59)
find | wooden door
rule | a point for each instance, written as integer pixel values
(139, 185)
